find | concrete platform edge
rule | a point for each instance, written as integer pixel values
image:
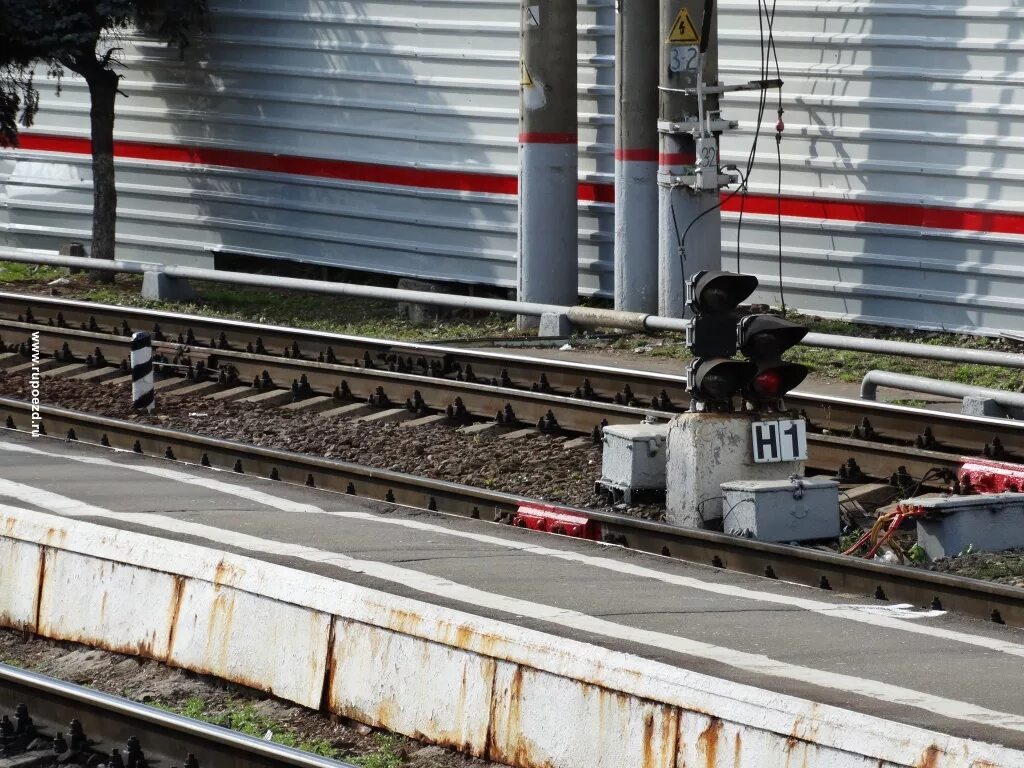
(487, 687)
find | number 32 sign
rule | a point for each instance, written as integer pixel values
(683, 58)
(784, 440)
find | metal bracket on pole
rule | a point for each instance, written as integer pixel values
(696, 180)
(692, 127)
(750, 85)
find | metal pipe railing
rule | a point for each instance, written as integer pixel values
(581, 317)
(912, 349)
(874, 379)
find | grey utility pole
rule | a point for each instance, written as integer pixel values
(688, 180)
(548, 163)
(636, 155)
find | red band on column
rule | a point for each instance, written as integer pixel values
(669, 159)
(637, 155)
(548, 138)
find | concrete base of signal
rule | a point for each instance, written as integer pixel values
(704, 451)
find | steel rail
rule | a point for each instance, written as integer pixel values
(968, 434)
(833, 437)
(435, 393)
(166, 738)
(811, 567)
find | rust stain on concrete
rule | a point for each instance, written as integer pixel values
(54, 537)
(707, 742)
(520, 753)
(225, 573)
(404, 622)
(930, 758)
(330, 668)
(40, 582)
(177, 593)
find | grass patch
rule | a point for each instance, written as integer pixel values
(16, 272)
(990, 567)
(245, 718)
(387, 754)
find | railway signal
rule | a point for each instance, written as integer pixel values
(763, 339)
(714, 298)
(714, 377)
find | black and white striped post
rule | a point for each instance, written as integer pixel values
(142, 371)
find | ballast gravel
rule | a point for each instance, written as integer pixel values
(537, 466)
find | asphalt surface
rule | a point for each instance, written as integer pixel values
(733, 626)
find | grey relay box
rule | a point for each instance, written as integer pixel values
(798, 509)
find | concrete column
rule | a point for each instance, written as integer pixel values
(679, 206)
(636, 156)
(548, 164)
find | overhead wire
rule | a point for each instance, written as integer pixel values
(762, 104)
(769, 55)
(779, 126)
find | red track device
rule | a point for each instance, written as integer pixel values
(551, 519)
(988, 476)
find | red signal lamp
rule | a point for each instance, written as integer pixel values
(767, 383)
(774, 380)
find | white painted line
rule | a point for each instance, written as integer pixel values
(441, 587)
(890, 617)
(743, 704)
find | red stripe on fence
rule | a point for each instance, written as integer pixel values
(927, 217)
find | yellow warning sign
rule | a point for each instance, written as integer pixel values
(524, 74)
(683, 30)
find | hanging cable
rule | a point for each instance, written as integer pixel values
(779, 127)
(778, 204)
(761, 105)
(701, 215)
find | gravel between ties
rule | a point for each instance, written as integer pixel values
(535, 466)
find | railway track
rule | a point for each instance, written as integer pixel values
(852, 438)
(91, 725)
(813, 567)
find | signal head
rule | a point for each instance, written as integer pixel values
(714, 381)
(766, 337)
(711, 292)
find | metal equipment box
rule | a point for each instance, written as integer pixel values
(633, 460)
(797, 509)
(988, 522)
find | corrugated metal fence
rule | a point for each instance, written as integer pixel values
(902, 147)
(382, 135)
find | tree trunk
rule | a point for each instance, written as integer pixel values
(103, 91)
